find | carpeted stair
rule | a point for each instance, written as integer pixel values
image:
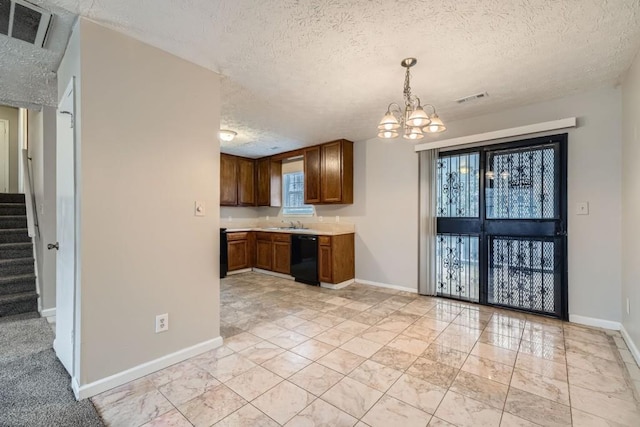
(17, 271)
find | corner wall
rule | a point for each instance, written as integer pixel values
(147, 147)
(631, 207)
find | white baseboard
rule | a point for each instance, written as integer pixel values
(49, 312)
(340, 285)
(242, 270)
(104, 384)
(386, 285)
(632, 346)
(598, 323)
(273, 273)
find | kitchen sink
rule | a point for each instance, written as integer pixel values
(284, 228)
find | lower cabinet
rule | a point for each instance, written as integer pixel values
(264, 251)
(272, 251)
(238, 251)
(282, 253)
(336, 258)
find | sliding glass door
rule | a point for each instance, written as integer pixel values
(501, 225)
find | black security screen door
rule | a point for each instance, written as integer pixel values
(501, 225)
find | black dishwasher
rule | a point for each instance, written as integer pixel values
(304, 258)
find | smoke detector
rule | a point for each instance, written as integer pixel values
(472, 97)
(24, 21)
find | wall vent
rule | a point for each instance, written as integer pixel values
(24, 21)
(472, 97)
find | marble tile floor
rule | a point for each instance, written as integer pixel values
(297, 355)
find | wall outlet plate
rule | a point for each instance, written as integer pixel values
(582, 208)
(162, 323)
(199, 208)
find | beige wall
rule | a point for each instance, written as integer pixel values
(147, 151)
(11, 114)
(631, 202)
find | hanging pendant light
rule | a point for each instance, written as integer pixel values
(414, 120)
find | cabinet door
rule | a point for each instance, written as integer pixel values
(238, 254)
(264, 254)
(228, 180)
(263, 182)
(282, 257)
(325, 273)
(246, 182)
(331, 173)
(312, 175)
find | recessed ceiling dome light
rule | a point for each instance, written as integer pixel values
(227, 135)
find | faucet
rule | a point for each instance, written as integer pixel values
(300, 226)
(292, 225)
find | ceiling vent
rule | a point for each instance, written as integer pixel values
(24, 21)
(472, 97)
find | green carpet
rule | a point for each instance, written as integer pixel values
(34, 386)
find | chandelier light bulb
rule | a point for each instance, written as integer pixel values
(418, 118)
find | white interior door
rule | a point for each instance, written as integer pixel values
(65, 231)
(4, 156)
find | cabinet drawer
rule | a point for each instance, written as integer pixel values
(324, 240)
(260, 235)
(281, 237)
(237, 236)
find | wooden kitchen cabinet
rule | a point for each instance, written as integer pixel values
(264, 251)
(238, 251)
(312, 175)
(281, 253)
(246, 182)
(237, 181)
(269, 182)
(228, 180)
(328, 173)
(336, 172)
(336, 258)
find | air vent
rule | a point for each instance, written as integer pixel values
(24, 21)
(472, 97)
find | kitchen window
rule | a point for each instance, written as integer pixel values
(293, 192)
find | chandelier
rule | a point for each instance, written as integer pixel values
(414, 120)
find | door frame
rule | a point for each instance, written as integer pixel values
(4, 148)
(476, 226)
(67, 106)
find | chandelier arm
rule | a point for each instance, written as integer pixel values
(432, 107)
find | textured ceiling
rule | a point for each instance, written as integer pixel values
(302, 72)
(28, 73)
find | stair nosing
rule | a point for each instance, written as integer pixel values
(18, 296)
(10, 260)
(14, 244)
(17, 277)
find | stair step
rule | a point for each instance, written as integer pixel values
(14, 235)
(16, 250)
(13, 221)
(13, 209)
(17, 284)
(23, 302)
(11, 198)
(16, 266)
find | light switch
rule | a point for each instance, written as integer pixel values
(199, 208)
(582, 208)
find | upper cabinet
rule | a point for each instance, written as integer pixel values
(246, 182)
(228, 180)
(312, 175)
(328, 173)
(237, 181)
(269, 182)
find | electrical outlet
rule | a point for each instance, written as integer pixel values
(582, 208)
(628, 307)
(162, 323)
